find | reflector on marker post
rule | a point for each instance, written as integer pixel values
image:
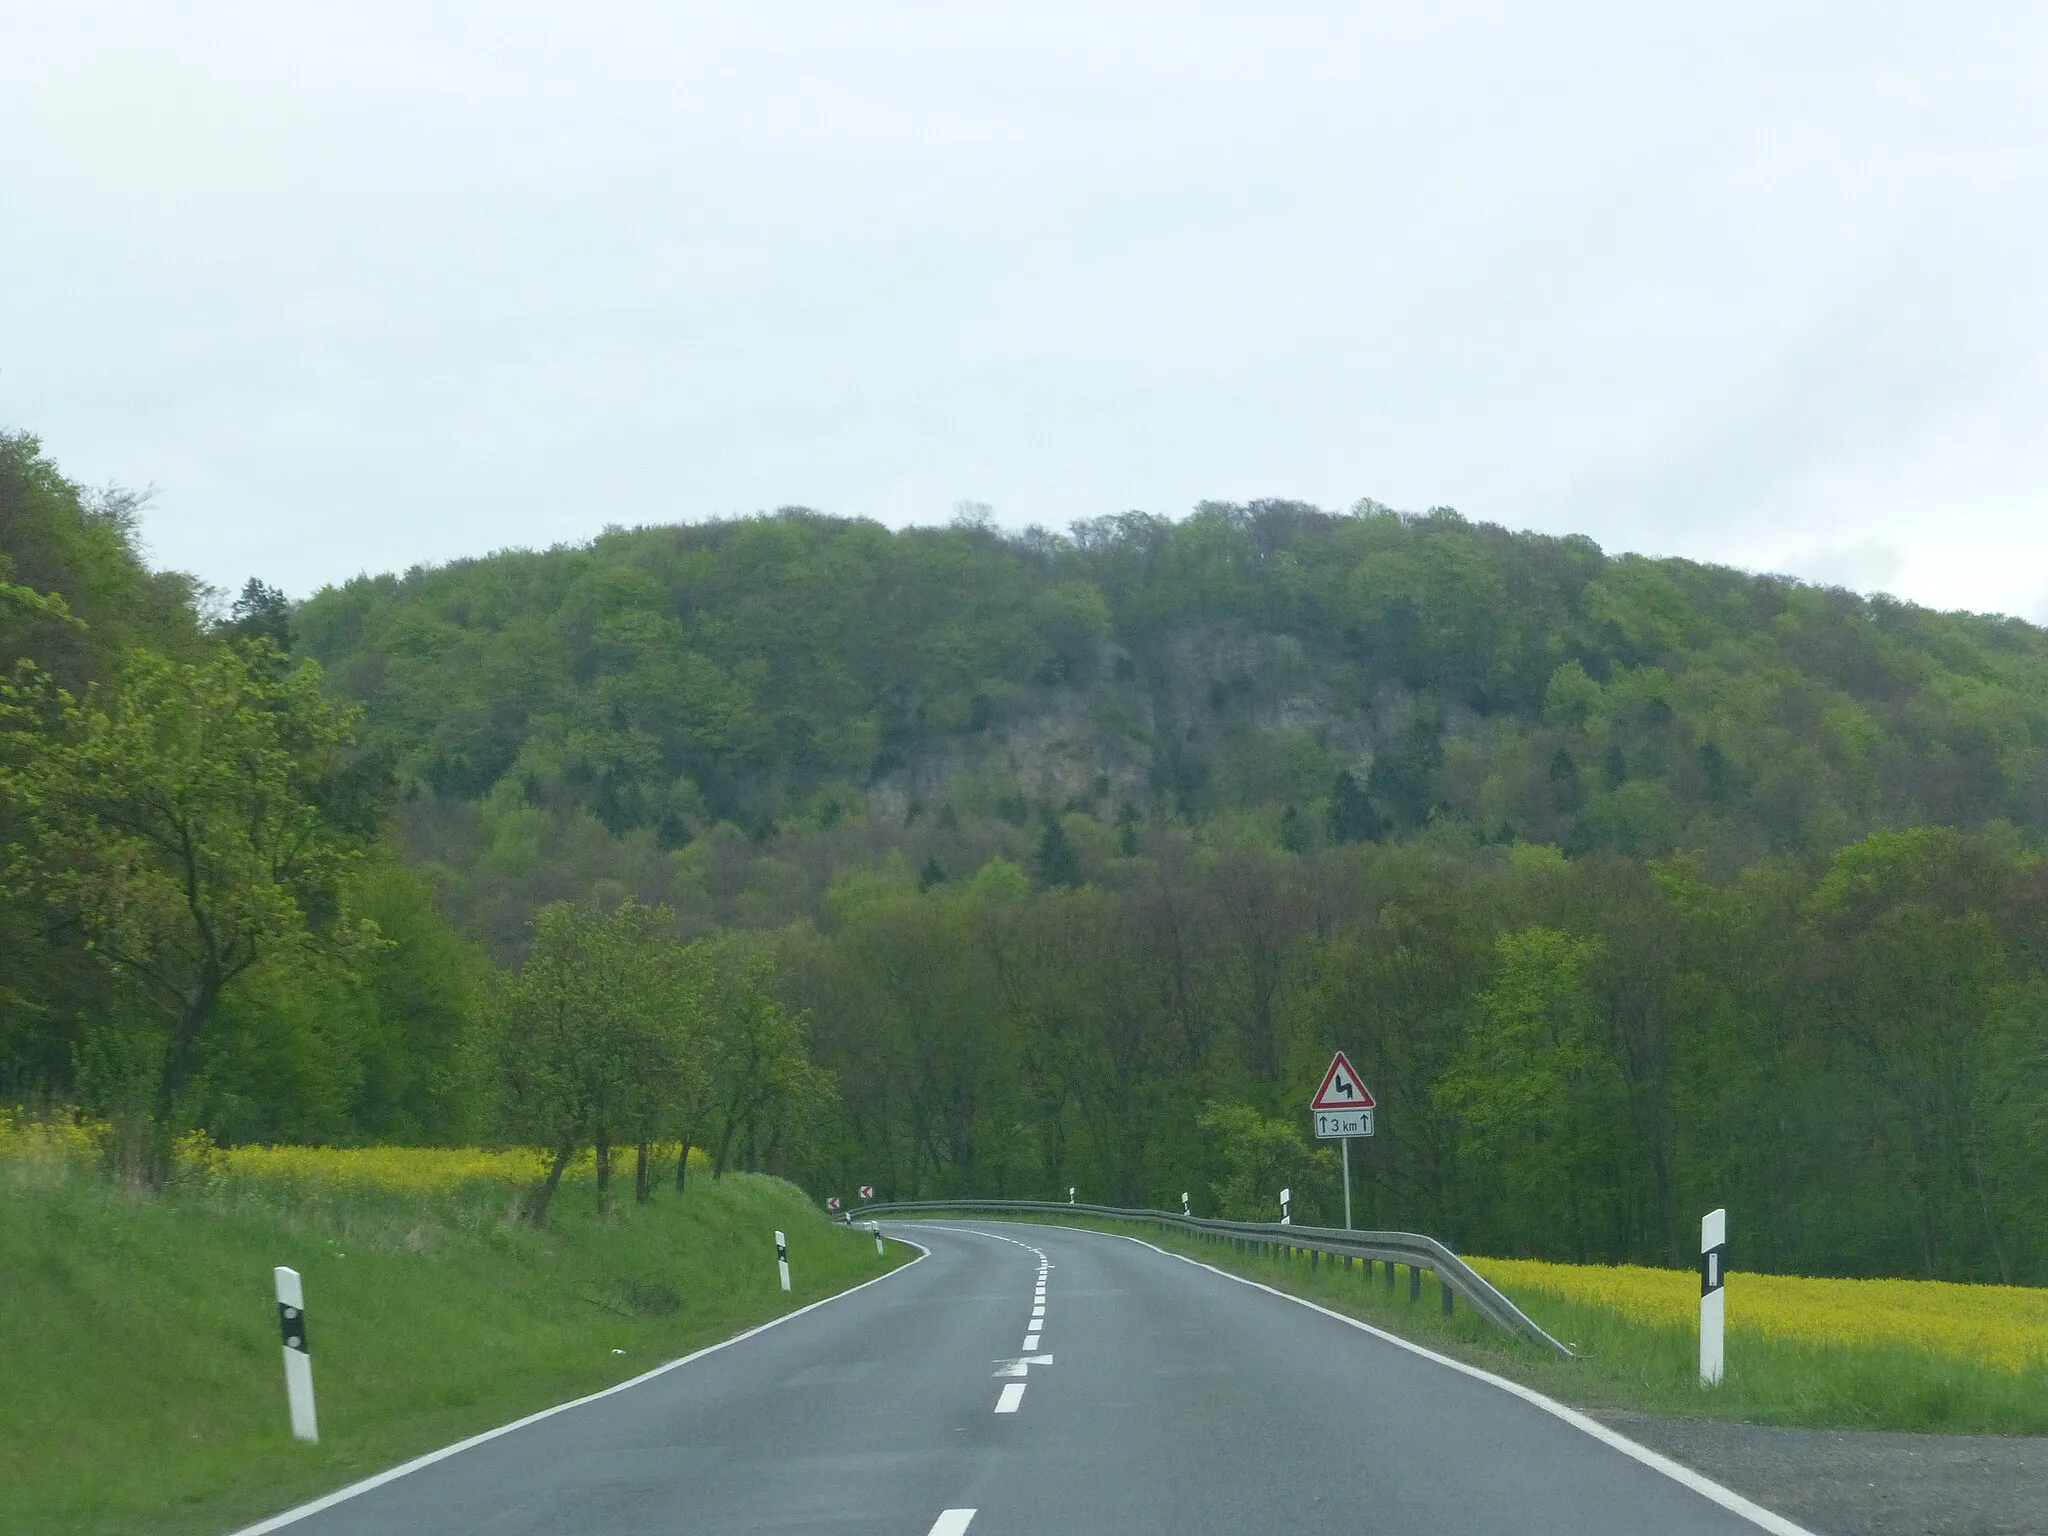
(782, 1259)
(1713, 1294)
(298, 1359)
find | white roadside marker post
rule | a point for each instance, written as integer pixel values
(298, 1361)
(1286, 1216)
(1070, 1194)
(1713, 1294)
(1184, 1204)
(782, 1258)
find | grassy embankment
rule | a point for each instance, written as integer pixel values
(1859, 1354)
(141, 1388)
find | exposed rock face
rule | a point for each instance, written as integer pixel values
(1128, 738)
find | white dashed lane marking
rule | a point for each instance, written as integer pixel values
(1012, 1395)
(952, 1522)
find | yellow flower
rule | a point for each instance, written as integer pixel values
(2001, 1325)
(414, 1170)
(27, 1138)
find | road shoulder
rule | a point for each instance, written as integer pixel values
(1849, 1482)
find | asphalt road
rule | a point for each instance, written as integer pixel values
(1142, 1394)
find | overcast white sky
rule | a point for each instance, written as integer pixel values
(364, 284)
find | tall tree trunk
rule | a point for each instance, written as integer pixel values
(181, 1061)
(643, 1185)
(543, 1193)
(683, 1163)
(604, 1171)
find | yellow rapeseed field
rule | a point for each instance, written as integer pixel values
(398, 1170)
(2001, 1325)
(420, 1170)
(25, 1138)
(29, 1140)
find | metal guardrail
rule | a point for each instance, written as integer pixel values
(1454, 1276)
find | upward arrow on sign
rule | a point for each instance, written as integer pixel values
(1341, 1088)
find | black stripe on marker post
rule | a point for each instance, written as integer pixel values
(291, 1321)
(1713, 1269)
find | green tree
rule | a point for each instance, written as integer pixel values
(262, 612)
(170, 820)
(1538, 1099)
(764, 1095)
(1057, 863)
(1352, 817)
(580, 1049)
(1265, 1156)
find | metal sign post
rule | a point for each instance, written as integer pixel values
(1343, 1109)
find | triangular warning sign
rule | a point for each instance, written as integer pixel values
(1341, 1088)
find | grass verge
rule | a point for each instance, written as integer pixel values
(1625, 1363)
(141, 1388)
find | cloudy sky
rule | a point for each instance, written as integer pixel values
(362, 284)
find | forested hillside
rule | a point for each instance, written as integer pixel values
(969, 862)
(1297, 677)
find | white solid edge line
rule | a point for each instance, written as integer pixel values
(342, 1495)
(1013, 1394)
(952, 1522)
(1706, 1487)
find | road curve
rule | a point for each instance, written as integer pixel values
(1052, 1382)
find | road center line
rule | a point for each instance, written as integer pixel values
(1030, 1342)
(952, 1522)
(1013, 1394)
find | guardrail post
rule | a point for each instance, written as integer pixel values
(1390, 1274)
(1414, 1281)
(1450, 1296)
(1315, 1260)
